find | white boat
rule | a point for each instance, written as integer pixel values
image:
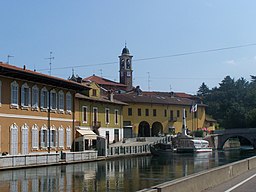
(182, 143)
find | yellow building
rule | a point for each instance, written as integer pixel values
(155, 113)
(100, 114)
(36, 111)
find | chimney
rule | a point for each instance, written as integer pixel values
(24, 67)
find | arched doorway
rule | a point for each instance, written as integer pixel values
(157, 128)
(144, 129)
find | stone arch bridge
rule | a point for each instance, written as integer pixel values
(219, 137)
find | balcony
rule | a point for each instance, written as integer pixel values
(173, 119)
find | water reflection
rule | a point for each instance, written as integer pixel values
(128, 174)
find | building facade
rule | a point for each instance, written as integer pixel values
(36, 111)
(100, 114)
(154, 113)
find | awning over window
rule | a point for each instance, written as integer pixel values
(87, 133)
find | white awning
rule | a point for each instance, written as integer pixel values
(87, 133)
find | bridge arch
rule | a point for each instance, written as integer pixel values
(242, 139)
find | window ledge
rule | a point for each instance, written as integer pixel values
(35, 109)
(14, 106)
(25, 108)
(68, 112)
(44, 109)
(61, 111)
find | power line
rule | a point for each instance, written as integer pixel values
(160, 57)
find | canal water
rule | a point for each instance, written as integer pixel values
(128, 174)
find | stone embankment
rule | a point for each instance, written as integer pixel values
(203, 180)
(131, 147)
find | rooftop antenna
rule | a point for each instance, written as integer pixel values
(8, 58)
(50, 58)
(148, 81)
(101, 72)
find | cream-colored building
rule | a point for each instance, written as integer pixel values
(36, 111)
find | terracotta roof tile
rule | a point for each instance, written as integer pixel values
(103, 81)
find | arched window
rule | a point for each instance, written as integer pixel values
(68, 137)
(24, 139)
(68, 102)
(53, 99)
(44, 135)
(53, 136)
(25, 95)
(14, 139)
(44, 98)
(61, 137)
(61, 101)
(35, 97)
(35, 137)
(14, 94)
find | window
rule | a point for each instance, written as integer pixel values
(147, 112)
(116, 116)
(35, 137)
(61, 101)
(95, 114)
(94, 92)
(129, 111)
(84, 114)
(154, 112)
(53, 137)
(68, 139)
(44, 98)
(24, 139)
(171, 115)
(116, 135)
(107, 115)
(178, 113)
(14, 93)
(14, 139)
(139, 112)
(68, 102)
(44, 137)
(165, 112)
(35, 97)
(25, 95)
(53, 99)
(61, 137)
(186, 114)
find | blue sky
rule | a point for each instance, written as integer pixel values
(89, 33)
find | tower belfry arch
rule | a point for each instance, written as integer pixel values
(125, 68)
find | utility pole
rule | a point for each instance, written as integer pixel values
(50, 58)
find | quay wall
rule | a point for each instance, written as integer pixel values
(205, 179)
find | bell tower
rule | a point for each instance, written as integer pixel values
(125, 72)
